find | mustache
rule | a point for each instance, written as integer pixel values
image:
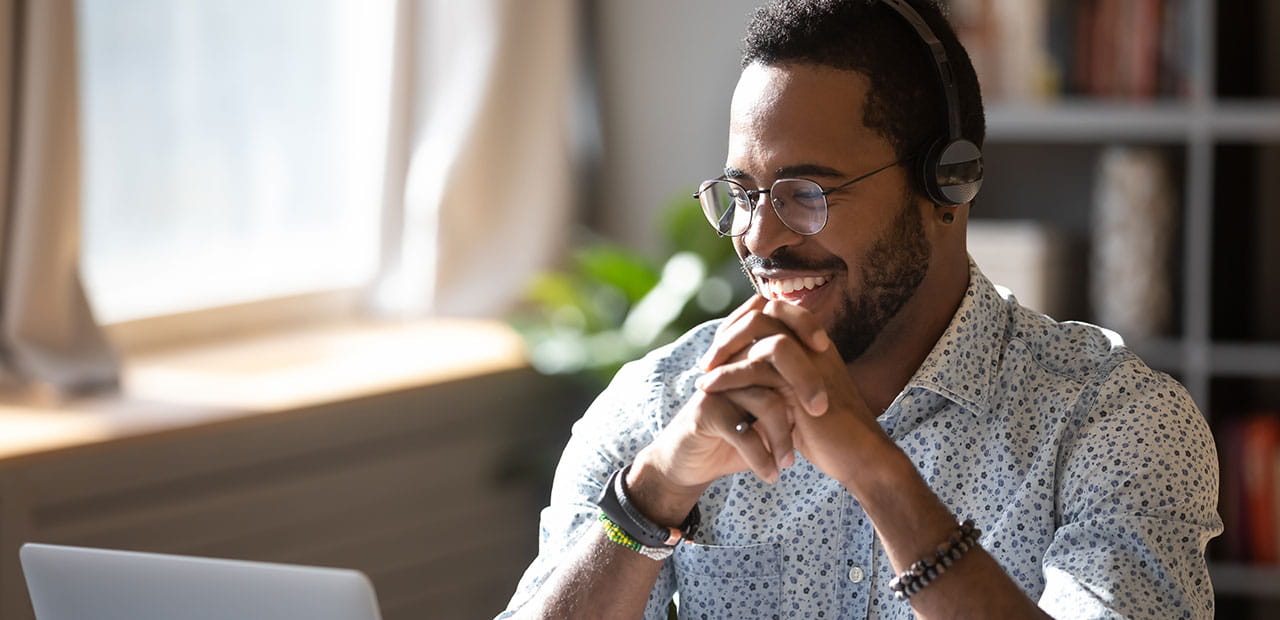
(785, 260)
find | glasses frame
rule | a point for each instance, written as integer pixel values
(754, 196)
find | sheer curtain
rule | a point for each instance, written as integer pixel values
(479, 194)
(478, 183)
(47, 328)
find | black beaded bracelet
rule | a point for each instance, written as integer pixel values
(920, 574)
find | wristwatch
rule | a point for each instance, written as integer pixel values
(657, 540)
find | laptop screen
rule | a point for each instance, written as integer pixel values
(77, 583)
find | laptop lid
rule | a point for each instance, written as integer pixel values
(77, 583)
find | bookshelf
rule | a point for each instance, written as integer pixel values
(1219, 132)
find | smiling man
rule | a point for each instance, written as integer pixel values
(878, 432)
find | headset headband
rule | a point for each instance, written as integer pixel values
(940, 63)
(950, 170)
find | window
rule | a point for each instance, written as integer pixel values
(233, 150)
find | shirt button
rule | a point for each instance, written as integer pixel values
(856, 574)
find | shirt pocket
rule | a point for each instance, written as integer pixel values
(717, 582)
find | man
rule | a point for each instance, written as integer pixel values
(833, 430)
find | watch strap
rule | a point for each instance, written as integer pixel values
(617, 505)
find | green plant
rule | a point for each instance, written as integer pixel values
(611, 304)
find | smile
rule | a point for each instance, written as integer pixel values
(790, 289)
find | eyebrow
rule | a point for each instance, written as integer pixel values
(798, 170)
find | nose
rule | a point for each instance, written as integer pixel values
(766, 233)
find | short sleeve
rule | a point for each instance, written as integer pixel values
(1137, 504)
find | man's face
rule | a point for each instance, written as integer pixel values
(805, 121)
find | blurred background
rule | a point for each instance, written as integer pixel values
(327, 281)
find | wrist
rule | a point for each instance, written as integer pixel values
(880, 467)
(661, 500)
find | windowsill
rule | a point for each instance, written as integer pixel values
(220, 382)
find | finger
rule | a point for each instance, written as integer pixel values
(722, 415)
(777, 362)
(736, 337)
(754, 304)
(796, 368)
(774, 421)
(801, 322)
(750, 446)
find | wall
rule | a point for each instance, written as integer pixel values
(666, 73)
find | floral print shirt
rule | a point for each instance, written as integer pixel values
(1094, 480)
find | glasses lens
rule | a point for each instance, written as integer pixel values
(800, 204)
(726, 205)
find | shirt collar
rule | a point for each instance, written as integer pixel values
(964, 363)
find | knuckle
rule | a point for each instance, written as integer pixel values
(780, 309)
(769, 345)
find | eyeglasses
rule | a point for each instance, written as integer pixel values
(801, 204)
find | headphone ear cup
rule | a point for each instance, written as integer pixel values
(928, 170)
(951, 171)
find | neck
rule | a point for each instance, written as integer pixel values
(884, 369)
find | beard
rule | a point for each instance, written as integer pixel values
(892, 269)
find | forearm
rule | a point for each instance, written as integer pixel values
(911, 522)
(597, 579)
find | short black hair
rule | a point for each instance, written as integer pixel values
(905, 103)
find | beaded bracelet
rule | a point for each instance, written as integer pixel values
(617, 535)
(923, 572)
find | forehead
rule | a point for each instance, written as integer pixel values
(793, 114)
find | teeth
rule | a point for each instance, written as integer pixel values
(777, 288)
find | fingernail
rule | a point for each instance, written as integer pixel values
(821, 341)
(788, 459)
(701, 382)
(704, 360)
(818, 404)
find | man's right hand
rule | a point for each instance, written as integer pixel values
(701, 444)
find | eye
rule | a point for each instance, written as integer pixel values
(808, 194)
(739, 195)
(800, 193)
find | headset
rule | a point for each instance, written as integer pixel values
(951, 166)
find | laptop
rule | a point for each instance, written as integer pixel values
(77, 583)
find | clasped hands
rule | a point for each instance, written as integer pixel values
(774, 361)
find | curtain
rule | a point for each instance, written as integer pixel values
(479, 186)
(48, 335)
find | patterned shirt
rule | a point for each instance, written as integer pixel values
(1094, 480)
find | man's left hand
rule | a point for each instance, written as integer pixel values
(761, 345)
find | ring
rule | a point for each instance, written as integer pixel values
(745, 424)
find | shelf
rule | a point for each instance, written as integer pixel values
(1162, 354)
(1245, 580)
(1089, 121)
(1226, 359)
(1247, 121)
(1245, 360)
(1144, 121)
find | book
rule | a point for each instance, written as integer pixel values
(1038, 49)
(1260, 450)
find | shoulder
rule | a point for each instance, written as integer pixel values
(646, 393)
(1078, 351)
(1110, 388)
(1094, 358)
